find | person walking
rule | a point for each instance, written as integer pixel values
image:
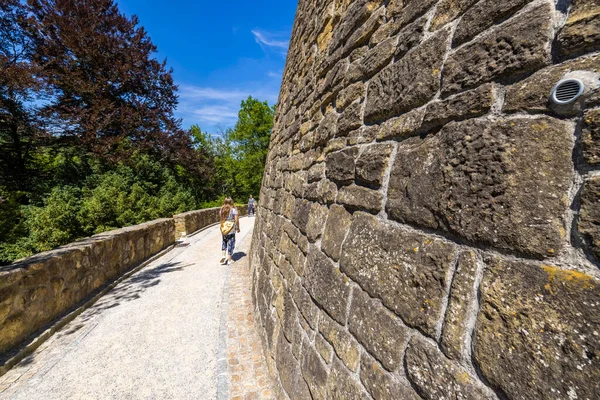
(251, 206)
(230, 224)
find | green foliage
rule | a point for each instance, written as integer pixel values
(90, 143)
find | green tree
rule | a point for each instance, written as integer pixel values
(250, 144)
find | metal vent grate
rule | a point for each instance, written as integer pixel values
(567, 91)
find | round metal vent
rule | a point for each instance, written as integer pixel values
(567, 91)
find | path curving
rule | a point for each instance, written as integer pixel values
(160, 334)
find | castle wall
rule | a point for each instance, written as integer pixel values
(429, 221)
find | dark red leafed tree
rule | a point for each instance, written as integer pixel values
(106, 84)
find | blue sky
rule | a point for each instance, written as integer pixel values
(221, 52)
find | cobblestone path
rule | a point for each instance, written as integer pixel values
(180, 328)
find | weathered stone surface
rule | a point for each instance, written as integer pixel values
(385, 31)
(290, 316)
(316, 221)
(314, 371)
(471, 104)
(340, 165)
(590, 137)
(360, 198)
(302, 213)
(407, 271)
(350, 93)
(338, 223)
(448, 10)
(589, 216)
(502, 183)
(324, 349)
(358, 12)
(483, 15)
(461, 305)
(327, 285)
(326, 129)
(533, 94)
(537, 331)
(372, 164)
(343, 386)
(407, 84)
(375, 59)
(350, 119)
(438, 378)
(381, 384)
(307, 308)
(343, 343)
(289, 371)
(380, 331)
(362, 34)
(316, 172)
(404, 126)
(410, 37)
(408, 10)
(323, 191)
(581, 33)
(514, 48)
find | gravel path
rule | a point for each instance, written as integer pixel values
(155, 336)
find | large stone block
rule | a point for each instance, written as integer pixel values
(503, 183)
(343, 386)
(388, 340)
(448, 10)
(408, 10)
(373, 61)
(470, 104)
(289, 371)
(381, 384)
(590, 137)
(410, 37)
(340, 165)
(360, 198)
(372, 164)
(537, 331)
(589, 215)
(326, 284)
(438, 378)
(461, 305)
(314, 371)
(407, 271)
(343, 343)
(581, 33)
(338, 223)
(533, 94)
(483, 15)
(515, 48)
(409, 83)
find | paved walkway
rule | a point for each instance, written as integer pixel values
(173, 330)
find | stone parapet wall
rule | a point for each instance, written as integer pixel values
(192, 221)
(429, 221)
(42, 288)
(37, 291)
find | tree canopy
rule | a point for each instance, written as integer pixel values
(88, 137)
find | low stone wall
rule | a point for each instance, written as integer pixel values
(430, 220)
(44, 287)
(194, 220)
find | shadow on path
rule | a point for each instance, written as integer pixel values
(238, 255)
(133, 287)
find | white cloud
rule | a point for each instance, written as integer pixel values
(270, 39)
(215, 108)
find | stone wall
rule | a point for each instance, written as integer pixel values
(193, 220)
(430, 221)
(37, 291)
(42, 288)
